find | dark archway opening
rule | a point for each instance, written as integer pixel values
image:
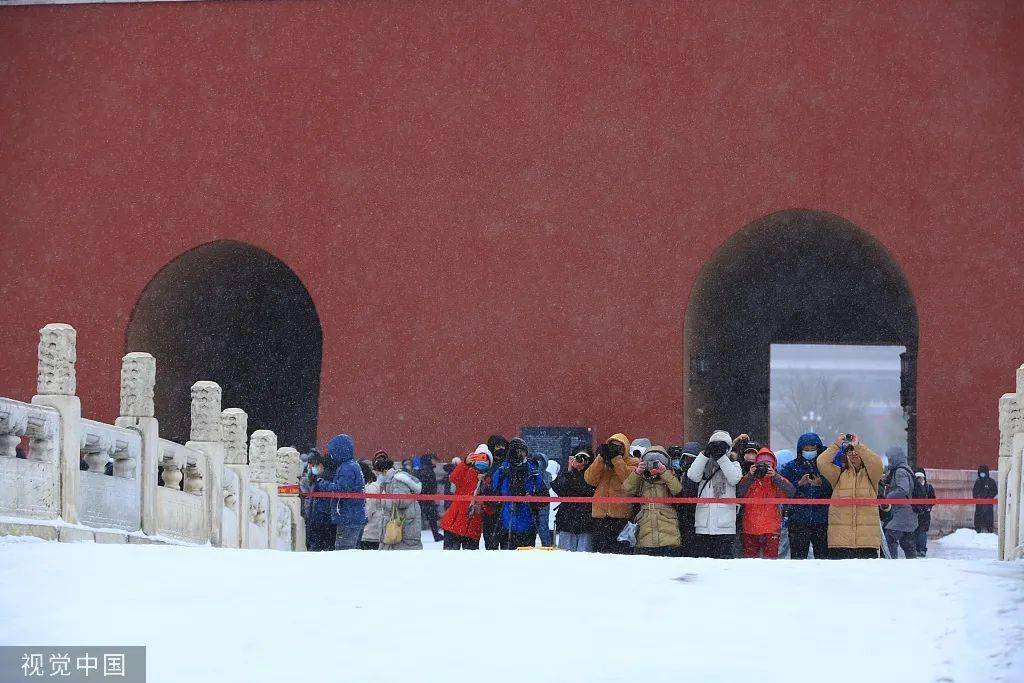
(794, 277)
(232, 313)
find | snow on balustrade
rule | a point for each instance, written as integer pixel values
(110, 502)
(181, 506)
(29, 485)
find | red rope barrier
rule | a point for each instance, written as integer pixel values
(294, 490)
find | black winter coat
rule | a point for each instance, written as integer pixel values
(573, 518)
(924, 512)
(984, 515)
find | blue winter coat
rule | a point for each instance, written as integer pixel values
(347, 478)
(794, 472)
(518, 517)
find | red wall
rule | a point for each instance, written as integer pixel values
(500, 208)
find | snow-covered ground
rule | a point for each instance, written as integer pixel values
(209, 614)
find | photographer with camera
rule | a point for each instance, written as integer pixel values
(898, 482)
(574, 521)
(808, 524)
(463, 521)
(853, 470)
(657, 526)
(716, 475)
(517, 476)
(606, 474)
(763, 523)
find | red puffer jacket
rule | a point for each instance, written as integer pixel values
(763, 519)
(457, 519)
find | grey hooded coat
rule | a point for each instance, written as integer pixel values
(899, 483)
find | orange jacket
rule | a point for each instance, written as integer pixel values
(608, 481)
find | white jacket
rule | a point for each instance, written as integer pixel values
(374, 513)
(717, 518)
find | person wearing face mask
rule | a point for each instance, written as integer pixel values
(716, 475)
(606, 474)
(680, 459)
(808, 524)
(517, 476)
(573, 521)
(922, 489)
(762, 523)
(854, 471)
(497, 445)
(464, 520)
(347, 514)
(657, 526)
(984, 487)
(405, 512)
(898, 482)
(320, 530)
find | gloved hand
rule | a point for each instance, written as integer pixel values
(640, 469)
(605, 451)
(659, 469)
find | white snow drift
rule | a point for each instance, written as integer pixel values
(227, 615)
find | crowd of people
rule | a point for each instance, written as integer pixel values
(724, 467)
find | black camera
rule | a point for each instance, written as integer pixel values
(760, 470)
(848, 438)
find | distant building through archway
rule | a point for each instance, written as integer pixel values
(232, 313)
(793, 277)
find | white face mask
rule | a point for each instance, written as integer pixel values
(809, 455)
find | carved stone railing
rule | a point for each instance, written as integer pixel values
(29, 486)
(1010, 523)
(216, 489)
(110, 502)
(181, 502)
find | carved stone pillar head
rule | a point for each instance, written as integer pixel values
(234, 429)
(206, 412)
(57, 358)
(138, 380)
(1020, 381)
(289, 466)
(263, 456)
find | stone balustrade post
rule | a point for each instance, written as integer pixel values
(55, 387)
(263, 473)
(138, 383)
(207, 436)
(234, 436)
(289, 469)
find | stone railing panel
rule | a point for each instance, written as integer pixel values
(110, 502)
(182, 514)
(29, 487)
(231, 501)
(259, 518)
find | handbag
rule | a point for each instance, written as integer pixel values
(628, 534)
(394, 529)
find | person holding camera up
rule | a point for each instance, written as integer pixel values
(517, 476)
(463, 522)
(763, 523)
(573, 521)
(606, 474)
(657, 526)
(853, 470)
(716, 475)
(808, 524)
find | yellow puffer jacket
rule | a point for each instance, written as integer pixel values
(853, 526)
(608, 481)
(657, 525)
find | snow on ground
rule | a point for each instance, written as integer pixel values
(209, 614)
